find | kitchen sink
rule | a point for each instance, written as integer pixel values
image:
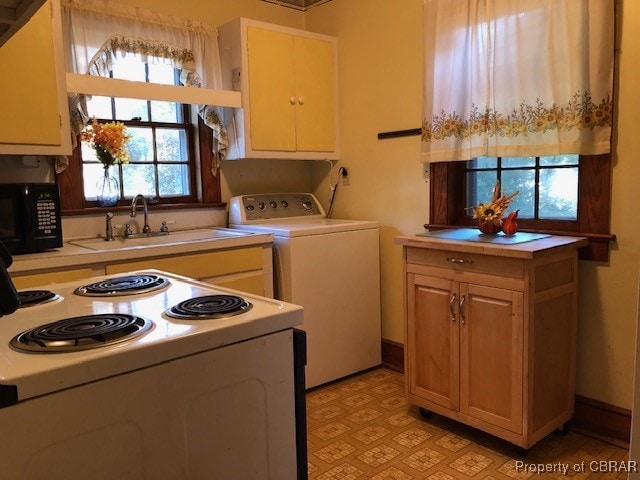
(184, 236)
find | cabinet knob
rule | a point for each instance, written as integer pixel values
(301, 101)
(292, 100)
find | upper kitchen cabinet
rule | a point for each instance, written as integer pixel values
(288, 82)
(35, 115)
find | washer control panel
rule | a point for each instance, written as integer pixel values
(269, 206)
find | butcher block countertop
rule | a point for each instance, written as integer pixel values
(521, 245)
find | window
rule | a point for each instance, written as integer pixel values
(546, 204)
(548, 186)
(164, 149)
(161, 162)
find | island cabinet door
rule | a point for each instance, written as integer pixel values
(491, 355)
(432, 340)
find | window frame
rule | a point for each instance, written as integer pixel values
(191, 163)
(447, 208)
(206, 188)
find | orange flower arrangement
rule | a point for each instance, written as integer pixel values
(109, 140)
(489, 215)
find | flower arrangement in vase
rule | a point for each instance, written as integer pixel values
(490, 214)
(109, 140)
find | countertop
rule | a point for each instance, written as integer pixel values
(526, 250)
(75, 256)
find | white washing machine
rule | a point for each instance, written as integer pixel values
(328, 266)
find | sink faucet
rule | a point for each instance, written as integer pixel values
(146, 228)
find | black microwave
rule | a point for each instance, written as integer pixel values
(30, 217)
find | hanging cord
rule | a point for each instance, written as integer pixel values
(342, 172)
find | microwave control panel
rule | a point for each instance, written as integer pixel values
(46, 214)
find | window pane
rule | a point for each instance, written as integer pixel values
(141, 144)
(99, 107)
(559, 193)
(138, 179)
(165, 112)
(91, 174)
(480, 186)
(173, 180)
(525, 182)
(88, 153)
(129, 68)
(559, 160)
(130, 108)
(483, 162)
(172, 145)
(511, 162)
(162, 73)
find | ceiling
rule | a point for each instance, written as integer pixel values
(298, 4)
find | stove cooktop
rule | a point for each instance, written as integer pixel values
(123, 285)
(30, 298)
(81, 333)
(209, 306)
(163, 339)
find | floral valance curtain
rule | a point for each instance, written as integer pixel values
(517, 78)
(97, 33)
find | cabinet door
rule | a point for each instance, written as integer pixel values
(291, 92)
(37, 279)
(34, 116)
(315, 97)
(271, 90)
(432, 340)
(491, 355)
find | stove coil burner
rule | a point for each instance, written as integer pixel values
(209, 306)
(125, 285)
(81, 333)
(30, 298)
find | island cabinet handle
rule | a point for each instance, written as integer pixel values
(458, 260)
(452, 302)
(461, 308)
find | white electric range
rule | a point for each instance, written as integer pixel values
(150, 375)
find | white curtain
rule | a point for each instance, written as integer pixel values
(97, 33)
(517, 78)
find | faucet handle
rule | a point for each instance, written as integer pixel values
(165, 225)
(127, 230)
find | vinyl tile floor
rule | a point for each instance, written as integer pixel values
(363, 428)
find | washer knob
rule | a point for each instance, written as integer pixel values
(307, 204)
(284, 203)
(273, 204)
(251, 208)
(261, 205)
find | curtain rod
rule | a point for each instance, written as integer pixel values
(400, 133)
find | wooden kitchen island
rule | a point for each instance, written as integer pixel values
(490, 330)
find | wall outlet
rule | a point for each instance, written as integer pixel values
(344, 173)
